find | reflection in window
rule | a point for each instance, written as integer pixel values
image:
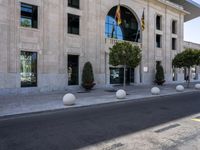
(73, 69)
(117, 75)
(128, 30)
(112, 29)
(29, 15)
(28, 61)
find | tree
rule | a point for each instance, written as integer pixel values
(124, 53)
(187, 59)
(88, 76)
(159, 78)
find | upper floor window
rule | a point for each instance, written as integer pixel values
(173, 43)
(128, 30)
(174, 27)
(74, 3)
(73, 24)
(158, 22)
(158, 41)
(29, 16)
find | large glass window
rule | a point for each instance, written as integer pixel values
(29, 15)
(28, 61)
(73, 3)
(128, 30)
(73, 70)
(73, 24)
(117, 75)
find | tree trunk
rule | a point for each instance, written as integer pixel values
(124, 84)
(188, 81)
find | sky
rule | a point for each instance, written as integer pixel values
(192, 29)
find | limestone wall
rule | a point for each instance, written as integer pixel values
(53, 43)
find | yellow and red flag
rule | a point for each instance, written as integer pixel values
(143, 22)
(118, 15)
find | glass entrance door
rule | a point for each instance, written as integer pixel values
(117, 75)
(28, 61)
(73, 70)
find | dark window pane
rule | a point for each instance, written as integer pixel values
(158, 22)
(73, 24)
(29, 15)
(173, 43)
(74, 3)
(174, 26)
(28, 61)
(158, 41)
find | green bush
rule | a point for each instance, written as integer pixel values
(88, 76)
(159, 78)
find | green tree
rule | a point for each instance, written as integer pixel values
(124, 53)
(88, 76)
(187, 59)
(159, 78)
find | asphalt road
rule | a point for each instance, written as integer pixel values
(78, 128)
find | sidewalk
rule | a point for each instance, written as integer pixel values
(22, 104)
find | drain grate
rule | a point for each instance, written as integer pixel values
(167, 128)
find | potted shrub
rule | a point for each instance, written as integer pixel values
(88, 76)
(159, 78)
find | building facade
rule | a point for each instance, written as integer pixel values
(45, 43)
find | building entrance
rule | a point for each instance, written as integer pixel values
(117, 75)
(73, 70)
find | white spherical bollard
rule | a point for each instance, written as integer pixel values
(197, 86)
(120, 94)
(155, 91)
(179, 88)
(69, 99)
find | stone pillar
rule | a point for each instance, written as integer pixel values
(137, 74)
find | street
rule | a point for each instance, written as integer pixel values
(165, 122)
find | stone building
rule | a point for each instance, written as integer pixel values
(45, 43)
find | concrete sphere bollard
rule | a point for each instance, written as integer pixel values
(155, 91)
(197, 86)
(120, 94)
(69, 99)
(179, 88)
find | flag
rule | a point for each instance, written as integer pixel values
(143, 22)
(118, 15)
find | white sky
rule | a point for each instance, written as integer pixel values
(192, 29)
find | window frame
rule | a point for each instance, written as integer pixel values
(174, 27)
(73, 5)
(160, 23)
(69, 28)
(174, 43)
(31, 14)
(160, 45)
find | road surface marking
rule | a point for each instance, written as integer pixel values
(195, 119)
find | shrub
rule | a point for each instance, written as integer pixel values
(159, 78)
(88, 76)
